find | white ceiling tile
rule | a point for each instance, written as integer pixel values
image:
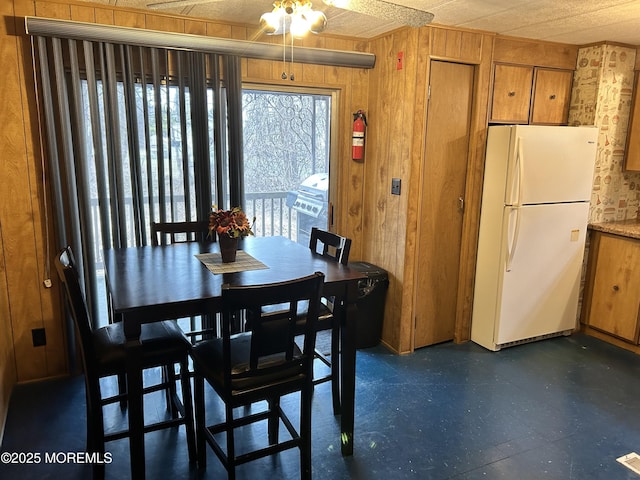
(568, 21)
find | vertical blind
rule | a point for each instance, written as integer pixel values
(133, 135)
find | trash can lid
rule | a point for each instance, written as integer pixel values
(368, 269)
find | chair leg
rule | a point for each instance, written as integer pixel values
(335, 369)
(122, 388)
(95, 420)
(274, 420)
(305, 433)
(136, 418)
(169, 377)
(187, 402)
(95, 425)
(193, 324)
(201, 443)
(231, 448)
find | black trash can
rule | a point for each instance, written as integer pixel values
(372, 293)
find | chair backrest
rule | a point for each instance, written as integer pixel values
(273, 349)
(70, 279)
(180, 232)
(332, 245)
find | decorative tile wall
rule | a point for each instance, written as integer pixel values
(601, 96)
(602, 91)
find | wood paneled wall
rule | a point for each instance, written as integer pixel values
(395, 148)
(397, 100)
(533, 52)
(24, 304)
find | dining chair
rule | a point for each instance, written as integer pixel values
(330, 245)
(175, 232)
(164, 233)
(337, 248)
(262, 364)
(104, 354)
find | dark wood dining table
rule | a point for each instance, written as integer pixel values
(168, 281)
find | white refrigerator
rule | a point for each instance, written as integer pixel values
(533, 221)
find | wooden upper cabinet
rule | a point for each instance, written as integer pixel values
(511, 94)
(552, 94)
(527, 94)
(632, 157)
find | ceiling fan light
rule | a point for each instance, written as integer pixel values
(299, 25)
(293, 16)
(271, 23)
(289, 6)
(317, 21)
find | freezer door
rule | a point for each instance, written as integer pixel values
(549, 164)
(542, 265)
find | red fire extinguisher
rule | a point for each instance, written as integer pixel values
(359, 127)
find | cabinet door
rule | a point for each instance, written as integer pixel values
(552, 94)
(632, 161)
(616, 287)
(511, 94)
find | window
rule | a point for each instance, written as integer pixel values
(133, 135)
(161, 176)
(287, 140)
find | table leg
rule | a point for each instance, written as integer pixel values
(348, 375)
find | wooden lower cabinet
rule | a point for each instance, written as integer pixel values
(612, 293)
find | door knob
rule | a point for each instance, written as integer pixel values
(461, 203)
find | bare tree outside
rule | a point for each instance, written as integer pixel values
(286, 140)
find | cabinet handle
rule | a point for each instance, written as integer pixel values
(552, 97)
(616, 288)
(512, 94)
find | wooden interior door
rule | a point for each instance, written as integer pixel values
(442, 204)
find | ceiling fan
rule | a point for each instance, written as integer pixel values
(375, 8)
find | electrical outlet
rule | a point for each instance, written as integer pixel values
(395, 186)
(39, 337)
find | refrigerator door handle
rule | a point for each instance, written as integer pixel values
(520, 170)
(512, 239)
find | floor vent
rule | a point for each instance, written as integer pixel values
(631, 461)
(534, 339)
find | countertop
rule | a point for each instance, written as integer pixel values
(625, 228)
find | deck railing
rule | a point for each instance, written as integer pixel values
(272, 217)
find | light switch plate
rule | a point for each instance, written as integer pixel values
(395, 186)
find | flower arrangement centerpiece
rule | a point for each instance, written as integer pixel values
(229, 225)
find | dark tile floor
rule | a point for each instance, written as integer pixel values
(562, 408)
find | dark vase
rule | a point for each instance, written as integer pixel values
(228, 248)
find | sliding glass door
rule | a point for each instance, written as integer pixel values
(287, 145)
